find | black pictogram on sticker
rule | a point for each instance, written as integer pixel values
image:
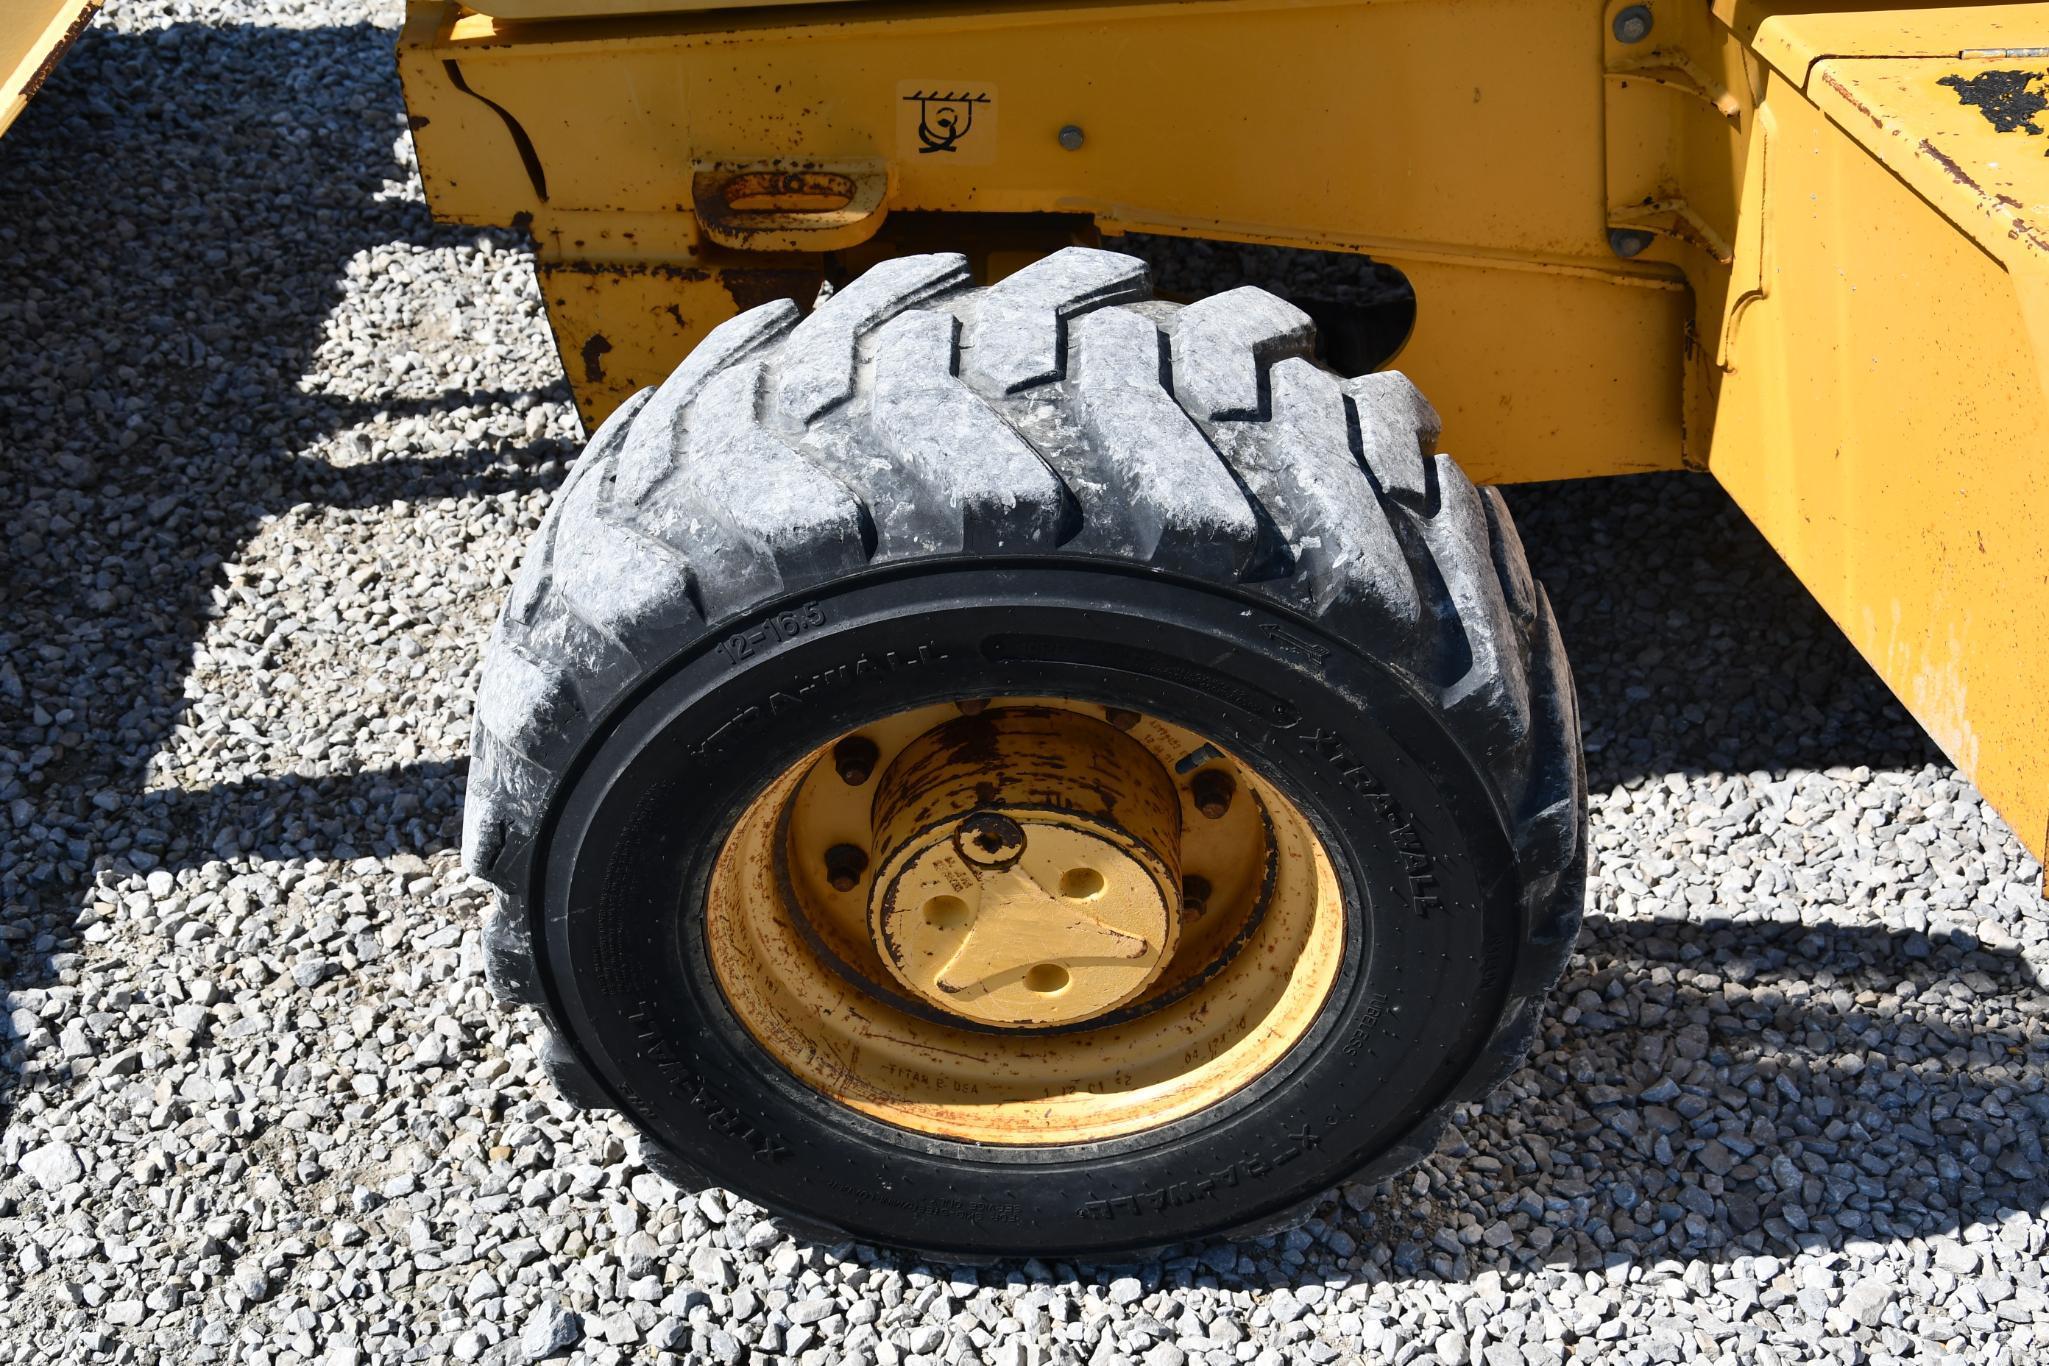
(944, 118)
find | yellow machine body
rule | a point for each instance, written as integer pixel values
(1802, 246)
(33, 36)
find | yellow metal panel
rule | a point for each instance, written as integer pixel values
(33, 35)
(1538, 374)
(1677, 111)
(1792, 42)
(1547, 375)
(1313, 124)
(474, 160)
(1328, 123)
(621, 329)
(1881, 420)
(1847, 292)
(1956, 132)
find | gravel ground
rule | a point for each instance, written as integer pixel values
(272, 445)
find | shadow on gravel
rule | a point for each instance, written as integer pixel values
(1781, 1137)
(168, 265)
(1693, 647)
(1830, 1086)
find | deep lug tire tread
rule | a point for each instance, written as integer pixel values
(1059, 411)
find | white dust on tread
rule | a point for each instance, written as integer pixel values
(752, 481)
(819, 359)
(1019, 332)
(1301, 466)
(958, 464)
(1214, 338)
(1390, 411)
(1180, 498)
(658, 436)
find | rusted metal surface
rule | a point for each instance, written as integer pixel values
(1963, 135)
(790, 209)
(797, 955)
(752, 286)
(620, 327)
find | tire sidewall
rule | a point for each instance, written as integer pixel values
(1428, 874)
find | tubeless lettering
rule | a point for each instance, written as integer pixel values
(935, 1206)
(618, 961)
(1369, 1020)
(1493, 967)
(1275, 713)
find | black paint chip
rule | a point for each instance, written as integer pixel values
(2003, 97)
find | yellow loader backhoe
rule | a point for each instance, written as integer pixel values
(984, 759)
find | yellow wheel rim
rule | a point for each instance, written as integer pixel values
(1024, 921)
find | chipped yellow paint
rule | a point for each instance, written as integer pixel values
(1881, 407)
(1248, 973)
(1938, 693)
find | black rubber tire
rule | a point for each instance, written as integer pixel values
(927, 490)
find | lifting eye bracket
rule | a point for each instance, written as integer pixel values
(780, 206)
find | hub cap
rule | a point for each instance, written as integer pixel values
(1024, 921)
(1051, 904)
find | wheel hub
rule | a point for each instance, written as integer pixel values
(1197, 964)
(1029, 867)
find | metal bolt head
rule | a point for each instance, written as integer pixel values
(844, 864)
(854, 758)
(1120, 717)
(1633, 24)
(989, 839)
(1628, 242)
(1071, 137)
(972, 706)
(1213, 789)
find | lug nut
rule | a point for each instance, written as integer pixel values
(844, 864)
(989, 839)
(972, 706)
(1194, 894)
(1120, 718)
(1213, 789)
(855, 758)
